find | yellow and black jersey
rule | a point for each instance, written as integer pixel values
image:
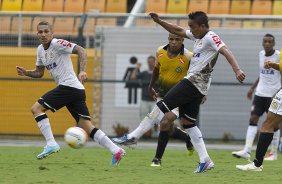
(171, 70)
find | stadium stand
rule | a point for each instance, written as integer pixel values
(26, 25)
(63, 26)
(12, 5)
(116, 6)
(32, 5)
(261, 7)
(219, 7)
(158, 6)
(95, 5)
(74, 6)
(252, 24)
(232, 24)
(277, 7)
(240, 7)
(5, 24)
(198, 5)
(272, 24)
(53, 6)
(36, 20)
(177, 6)
(145, 22)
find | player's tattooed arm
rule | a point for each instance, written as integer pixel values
(37, 73)
(81, 56)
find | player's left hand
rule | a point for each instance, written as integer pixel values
(240, 76)
(82, 76)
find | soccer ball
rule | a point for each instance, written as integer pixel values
(75, 137)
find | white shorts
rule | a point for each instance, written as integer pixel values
(276, 103)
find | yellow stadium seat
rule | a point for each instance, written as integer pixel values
(240, 7)
(277, 7)
(177, 6)
(219, 7)
(36, 20)
(5, 24)
(261, 7)
(12, 5)
(95, 5)
(63, 26)
(143, 22)
(214, 23)
(198, 5)
(252, 24)
(158, 6)
(74, 6)
(53, 6)
(26, 25)
(116, 6)
(32, 5)
(232, 24)
(106, 21)
(273, 24)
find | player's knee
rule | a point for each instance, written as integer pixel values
(185, 123)
(37, 109)
(163, 107)
(253, 120)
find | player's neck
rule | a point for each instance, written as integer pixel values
(269, 53)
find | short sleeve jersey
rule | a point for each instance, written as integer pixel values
(269, 79)
(171, 70)
(205, 54)
(57, 61)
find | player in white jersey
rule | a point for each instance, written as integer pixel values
(267, 84)
(54, 55)
(188, 93)
(273, 119)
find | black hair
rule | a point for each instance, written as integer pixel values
(199, 17)
(45, 23)
(151, 57)
(271, 36)
(133, 60)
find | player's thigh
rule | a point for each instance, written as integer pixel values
(260, 105)
(190, 111)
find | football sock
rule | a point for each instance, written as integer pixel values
(275, 142)
(100, 137)
(180, 134)
(162, 142)
(250, 137)
(145, 125)
(45, 128)
(198, 143)
(263, 143)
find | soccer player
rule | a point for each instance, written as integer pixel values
(273, 119)
(268, 83)
(171, 66)
(54, 55)
(189, 92)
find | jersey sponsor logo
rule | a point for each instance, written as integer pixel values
(196, 54)
(181, 60)
(64, 43)
(267, 71)
(178, 69)
(160, 55)
(51, 66)
(274, 104)
(216, 40)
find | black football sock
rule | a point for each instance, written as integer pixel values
(162, 142)
(262, 146)
(181, 135)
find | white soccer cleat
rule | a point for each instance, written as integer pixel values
(271, 157)
(249, 167)
(241, 154)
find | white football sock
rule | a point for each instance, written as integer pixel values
(250, 137)
(45, 128)
(198, 143)
(104, 141)
(275, 142)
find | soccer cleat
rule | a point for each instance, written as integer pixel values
(249, 167)
(241, 154)
(117, 157)
(48, 150)
(125, 141)
(203, 167)
(190, 151)
(156, 162)
(271, 157)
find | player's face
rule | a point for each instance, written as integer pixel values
(268, 43)
(197, 30)
(175, 42)
(44, 34)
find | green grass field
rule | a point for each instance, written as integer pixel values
(92, 165)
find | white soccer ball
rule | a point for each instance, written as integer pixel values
(75, 137)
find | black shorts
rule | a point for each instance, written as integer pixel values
(185, 96)
(260, 105)
(72, 98)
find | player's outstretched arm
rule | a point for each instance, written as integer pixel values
(172, 28)
(37, 73)
(233, 62)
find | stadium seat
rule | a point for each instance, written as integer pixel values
(261, 7)
(158, 6)
(143, 22)
(106, 21)
(74, 6)
(198, 5)
(177, 6)
(183, 23)
(116, 6)
(232, 24)
(273, 24)
(277, 7)
(26, 25)
(36, 20)
(12, 5)
(214, 23)
(63, 26)
(219, 7)
(253, 24)
(240, 7)
(95, 5)
(53, 6)
(5, 24)
(33, 5)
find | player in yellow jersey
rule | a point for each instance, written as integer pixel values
(171, 66)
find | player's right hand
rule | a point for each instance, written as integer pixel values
(154, 16)
(21, 71)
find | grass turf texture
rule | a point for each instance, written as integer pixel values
(92, 165)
